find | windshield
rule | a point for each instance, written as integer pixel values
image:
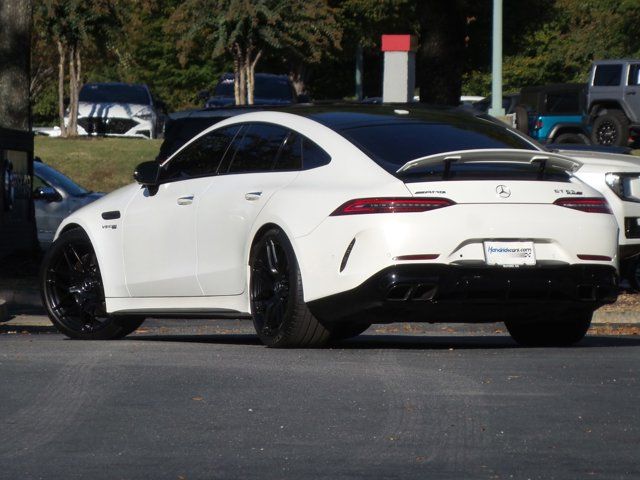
(58, 179)
(112, 93)
(393, 145)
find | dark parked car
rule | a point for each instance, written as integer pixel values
(269, 89)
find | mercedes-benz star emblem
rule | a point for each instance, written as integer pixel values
(503, 191)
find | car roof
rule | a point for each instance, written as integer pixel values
(182, 126)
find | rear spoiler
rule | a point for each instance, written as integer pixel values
(544, 159)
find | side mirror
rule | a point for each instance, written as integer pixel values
(147, 173)
(203, 95)
(47, 194)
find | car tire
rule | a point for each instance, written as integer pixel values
(349, 330)
(280, 315)
(611, 129)
(557, 331)
(73, 294)
(522, 119)
(572, 138)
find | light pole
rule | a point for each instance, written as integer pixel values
(496, 109)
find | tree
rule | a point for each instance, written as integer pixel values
(15, 26)
(246, 30)
(72, 24)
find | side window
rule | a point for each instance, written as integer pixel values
(290, 157)
(563, 103)
(634, 74)
(256, 151)
(202, 157)
(607, 75)
(313, 156)
(299, 152)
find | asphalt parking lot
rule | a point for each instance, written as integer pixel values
(196, 399)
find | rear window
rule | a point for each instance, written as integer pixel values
(564, 103)
(393, 145)
(485, 171)
(93, 93)
(607, 75)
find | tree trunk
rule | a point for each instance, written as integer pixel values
(251, 76)
(298, 74)
(441, 54)
(15, 43)
(237, 56)
(72, 128)
(242, 81)
(62, 58)
(239, 74)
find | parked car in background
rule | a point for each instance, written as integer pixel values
(119, 109)
(614, 102)
(509, 102)
(55, 196)
(553, 113)
(617, 177)
(269, 89)
(312, 222)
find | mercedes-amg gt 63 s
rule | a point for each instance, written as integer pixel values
(318, 222)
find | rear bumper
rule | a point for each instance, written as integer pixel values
(448, 293)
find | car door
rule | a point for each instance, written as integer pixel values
(159, 226)
(228, 210)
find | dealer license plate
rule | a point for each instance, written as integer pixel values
(509, 254)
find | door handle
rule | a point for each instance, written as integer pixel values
(188, 200)
(252, 196)
(631, 93)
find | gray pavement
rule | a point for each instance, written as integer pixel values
(203, 399)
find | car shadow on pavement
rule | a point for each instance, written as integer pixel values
(408, 342)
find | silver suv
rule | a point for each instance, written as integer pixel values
(614, 101)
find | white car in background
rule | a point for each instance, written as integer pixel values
(617, 177)
(318, 222)
(119, 109)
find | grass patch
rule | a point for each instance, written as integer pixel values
(99, 164)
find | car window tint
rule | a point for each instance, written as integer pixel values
(563, 103)
(634, 74)
(257, 149)
(298, 152)
(607, 75)
(290, 157)
(393, 145)
(202, 157)
(313, 156)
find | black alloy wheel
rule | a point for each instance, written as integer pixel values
(612, 128)
(280, 316)
(73, 294)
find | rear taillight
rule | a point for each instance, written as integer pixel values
(361, 206)
(591, 205)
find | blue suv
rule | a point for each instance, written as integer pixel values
(554, 113)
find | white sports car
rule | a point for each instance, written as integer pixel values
(318, 222)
